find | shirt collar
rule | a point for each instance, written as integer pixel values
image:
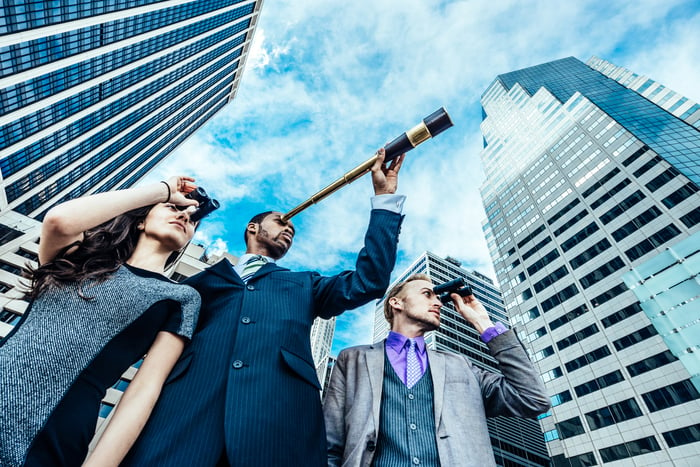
(397, 342)
(246, 256)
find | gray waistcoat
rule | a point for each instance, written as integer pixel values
(406, 423)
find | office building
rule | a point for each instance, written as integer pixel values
(321, 342)
(668, 289)
(593, 171)
(516, 441)
(94, 94)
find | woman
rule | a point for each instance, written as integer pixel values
(99, 303)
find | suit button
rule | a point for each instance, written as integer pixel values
(237, 364)
(250, 287)
(411, 396)
(413, 426)
(245, 320)
(416, 461)
(371, 446)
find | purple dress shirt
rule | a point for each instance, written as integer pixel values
(397, 348)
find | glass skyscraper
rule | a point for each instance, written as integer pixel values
(94, 94)
(593, 171)
(515, 441)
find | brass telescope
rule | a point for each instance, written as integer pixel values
(431, 126)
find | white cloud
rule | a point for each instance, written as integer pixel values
(329, 82)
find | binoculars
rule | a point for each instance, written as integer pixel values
(458, 286)
(206, 206)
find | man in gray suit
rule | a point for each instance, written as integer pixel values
(398, 403)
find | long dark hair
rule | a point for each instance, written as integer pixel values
(94, 259)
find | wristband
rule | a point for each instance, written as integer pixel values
(168, 187)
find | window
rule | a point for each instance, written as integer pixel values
(534, 233)
(609, 294)
(622, 314)
(635, 337)
(636, 223)
(6, 316)
(542, 262)
(562, 212)
(551, 435)
(653, 241)
(570, 427)
(602, 272)
(668, 396)
(7, 234)
(680, 195)
(579, 236)
(627, 203)
(554, 373)
(544, 353)
(601, 182)
(573, 314)
(647, 166)
(681, 436)
(662, 179)
(692, 218)
(615, 413)
(105, 409)
(629, 449)
(610, 193)
(545, 282)
(536, 334)
(577, 336)
(590, 253)
(651, 363)
(582, 460)
(570, 223)
(637, 154)
(559, 297)
(599, 383)
(560, 398)
(590, 357)
(536, 248)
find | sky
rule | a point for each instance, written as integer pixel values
(327, 83)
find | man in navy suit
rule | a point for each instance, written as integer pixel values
(245, 391)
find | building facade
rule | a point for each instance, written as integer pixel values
(591, 171)
(516, 441)
(94, 94)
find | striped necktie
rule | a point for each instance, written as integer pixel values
(251, 267)
(413, 372)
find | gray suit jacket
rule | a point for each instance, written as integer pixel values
(464, 395)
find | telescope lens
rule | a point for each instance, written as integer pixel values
(438, 121)
(450, 286)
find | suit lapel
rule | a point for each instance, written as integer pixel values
(375, 369)
(224, 269)
(437, 371)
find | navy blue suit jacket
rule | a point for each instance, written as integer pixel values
(246, 384)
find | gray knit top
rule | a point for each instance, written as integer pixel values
(62, 335)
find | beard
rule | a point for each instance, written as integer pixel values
(426, 323)
(276, 247)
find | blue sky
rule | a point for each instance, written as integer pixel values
(329, 82)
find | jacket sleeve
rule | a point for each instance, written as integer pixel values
(334, 413)
(370, 279)
(519, 391)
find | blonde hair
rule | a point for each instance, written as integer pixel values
(397, 289)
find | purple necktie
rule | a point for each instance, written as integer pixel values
(413, 372)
